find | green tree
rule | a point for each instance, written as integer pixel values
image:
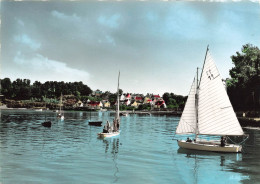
(120, 91)
(6, 88)
(174, 101)
(166, 97)
(112, 98)
(244, 85)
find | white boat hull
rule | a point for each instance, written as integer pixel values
(60, 117)
(112, 134)
(207, 146)
(38, 109)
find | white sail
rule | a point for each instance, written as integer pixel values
(187, 122)
(215, 112)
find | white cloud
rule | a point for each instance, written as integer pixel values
(26, 40)
(43, 69)
(62, 16)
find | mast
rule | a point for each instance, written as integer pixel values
(45, 110)
(117, 113)
(60, 102)
(197, 96)
(197, 104)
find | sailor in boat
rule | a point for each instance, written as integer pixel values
(106, 128)
(116, 125)
(188, 140)
(223, 141)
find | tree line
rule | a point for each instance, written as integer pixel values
(22, 89)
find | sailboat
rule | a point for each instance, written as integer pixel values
(208, 111)
(60, 115)
(113, 130)
(94, 123)
(46, 123)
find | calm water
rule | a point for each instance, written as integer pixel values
(145, 152)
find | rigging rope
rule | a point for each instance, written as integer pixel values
(240, 142)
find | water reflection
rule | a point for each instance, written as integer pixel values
(112, 146)
(69, 152)
(228, 165)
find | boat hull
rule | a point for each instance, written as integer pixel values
(95, 123)
(229, 148)
(123, 114)
(46, 124)
(60, 117)
(112, 134)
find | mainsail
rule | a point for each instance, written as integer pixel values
(187, 122)
(215, 112)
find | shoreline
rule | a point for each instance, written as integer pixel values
(249, 122)
(245, 122)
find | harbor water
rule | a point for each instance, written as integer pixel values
(146, 151)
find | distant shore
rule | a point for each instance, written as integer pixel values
(249, 122)
(144, 112)
(244, 121)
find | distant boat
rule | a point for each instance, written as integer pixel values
(208, 111)
(123, 114)
(95, 123)
(60, 114)
(112, 130)
(46, 123)
(38, 109)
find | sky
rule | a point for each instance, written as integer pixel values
(156, 45)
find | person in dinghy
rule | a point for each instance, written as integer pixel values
(107, 128)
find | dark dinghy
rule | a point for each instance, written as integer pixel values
(46, 124)
(95, 123)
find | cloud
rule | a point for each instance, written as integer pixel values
(41, 68)
(26, 40)
(111, 22)
(184, 23)
(62, 16)
(20, 22)
(141, 39)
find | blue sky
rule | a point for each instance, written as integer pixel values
(156, 45)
